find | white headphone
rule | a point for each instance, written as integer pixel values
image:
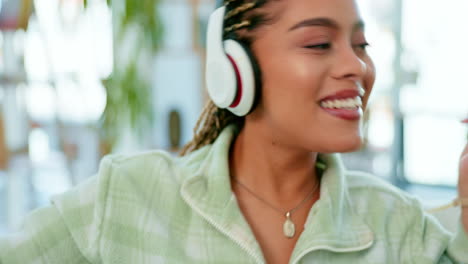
(230, 77)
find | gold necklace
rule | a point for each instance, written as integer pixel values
(289, 228)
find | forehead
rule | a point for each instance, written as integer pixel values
(290, 12)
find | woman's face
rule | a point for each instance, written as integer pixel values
(314, 49)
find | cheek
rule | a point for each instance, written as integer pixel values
(371, 73)
(291, 91)
(292, 77)
(369, 79)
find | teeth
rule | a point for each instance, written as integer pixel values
(362, 91)
(350, 103)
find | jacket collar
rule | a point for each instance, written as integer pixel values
(331, 224)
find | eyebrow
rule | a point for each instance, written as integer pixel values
(325, 22)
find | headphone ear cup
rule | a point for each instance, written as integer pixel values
(246, 77)
(220, 76)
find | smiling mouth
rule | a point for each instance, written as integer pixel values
(347, 103)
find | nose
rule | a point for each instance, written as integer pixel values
(349, 64)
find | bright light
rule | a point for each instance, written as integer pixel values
(39, 146)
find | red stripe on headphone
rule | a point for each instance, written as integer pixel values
(239, 84)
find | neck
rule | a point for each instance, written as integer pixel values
(276, 172)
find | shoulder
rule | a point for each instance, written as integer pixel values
(144, 168)
(367, 190)
(142, 163)
(137, 161)
(398, 219)
(129, 178)
(376, 199)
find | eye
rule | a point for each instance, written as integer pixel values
(363, 46)
(322, 46)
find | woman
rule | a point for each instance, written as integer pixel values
(252, 187)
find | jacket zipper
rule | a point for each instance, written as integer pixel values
(331, 249)
(207, 218)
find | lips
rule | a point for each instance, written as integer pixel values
(344, 94)
(346, 114)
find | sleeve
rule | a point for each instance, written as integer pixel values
(67, 231)
(429, 242)
(458, 247)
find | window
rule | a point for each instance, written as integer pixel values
(435, 41)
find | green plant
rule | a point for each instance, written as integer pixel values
(128, 101)
(144, 13)
(128, 89)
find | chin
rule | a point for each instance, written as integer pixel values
(351, 146)
(350, 149)
(343, 146)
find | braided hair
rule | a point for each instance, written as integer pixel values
(240, 15)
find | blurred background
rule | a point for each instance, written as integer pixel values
(83, 78)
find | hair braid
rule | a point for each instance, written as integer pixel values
(208, 127)
(239, 10)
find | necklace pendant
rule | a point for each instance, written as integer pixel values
(289, 229)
